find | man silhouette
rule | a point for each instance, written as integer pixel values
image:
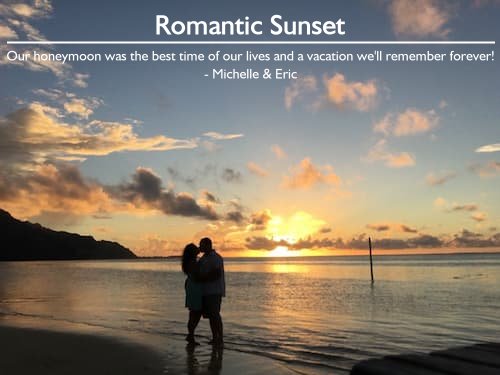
(213, 291)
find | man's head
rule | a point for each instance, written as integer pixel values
(205, 245)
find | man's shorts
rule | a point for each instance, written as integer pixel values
(211, 305)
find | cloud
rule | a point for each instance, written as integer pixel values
(356, 243)
(72, 104)
(235, 216)
(146, 190)
(410, 122)
(464, 207)
(222, 137)
(209, 197)
(298, 88)
(34, 135)
(307, 175)
(407, 229)
(383, 227)
(259, 220)
(7, 33)
(463, 239)
(80, 79)
(360, 96)
(486, 170)
(440, 202)
(393, 160)
(37, 9)
(257, 169)
(467, 238)
(209, 170)
(17, 20)
(278, 152)
(338, 91)
(81, 107)
(479, 216)
(378, 227)
(495, 147)
(55, 191)
(231, 175)
(435, 180)
(420, 19)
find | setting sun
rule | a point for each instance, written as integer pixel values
(280, 251)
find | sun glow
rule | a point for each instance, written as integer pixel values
(280, 251)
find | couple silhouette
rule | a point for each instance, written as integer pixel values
(205, 287)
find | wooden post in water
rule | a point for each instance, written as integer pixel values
(371, 261)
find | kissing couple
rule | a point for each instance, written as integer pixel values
(205, 286)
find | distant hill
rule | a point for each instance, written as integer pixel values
(22, 240)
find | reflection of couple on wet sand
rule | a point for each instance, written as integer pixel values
(205, 286)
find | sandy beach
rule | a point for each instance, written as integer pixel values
(36, 351)
(32, 351)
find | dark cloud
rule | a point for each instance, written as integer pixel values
(146, 189)
(378, 227)
(407, 229)
(468, 238)
(259, 220)
(425, 240)
(231, 175)
(325, 230)
(263, 243)
(465, 207)
(209, 197)
(62, 180)
(465, 239)
(193, 181)
(235, 216)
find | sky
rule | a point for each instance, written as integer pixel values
(154, 155)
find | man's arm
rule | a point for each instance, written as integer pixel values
(212, 275)
(207, 276)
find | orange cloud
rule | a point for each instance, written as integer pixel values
(394, 160)
(257, 169)
(278, 152)
(34, 134)
(409, 122)
(51, 189)
(360, 96)
(307, 175)
(479, 216)
(421, 18)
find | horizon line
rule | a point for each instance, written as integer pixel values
(272, 42)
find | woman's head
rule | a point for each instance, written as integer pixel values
(189, 255)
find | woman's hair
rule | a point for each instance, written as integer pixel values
(188, 256)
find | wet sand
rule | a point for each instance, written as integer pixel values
(32, 351)
(28, 351)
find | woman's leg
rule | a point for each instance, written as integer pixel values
(194, 319)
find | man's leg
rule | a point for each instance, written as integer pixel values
(216, 327)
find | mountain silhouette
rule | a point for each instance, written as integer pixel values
(22, 240)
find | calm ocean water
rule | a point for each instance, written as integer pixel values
(320, 314)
